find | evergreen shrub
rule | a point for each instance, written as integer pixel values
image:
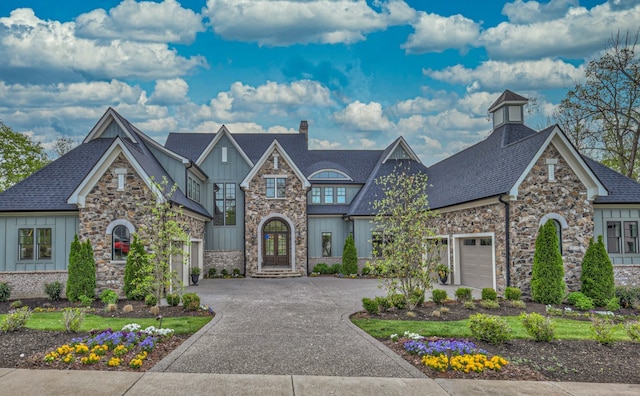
(596, 279)
(547, 279)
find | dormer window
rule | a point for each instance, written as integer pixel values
(329, 174)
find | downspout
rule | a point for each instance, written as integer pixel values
(507, 240)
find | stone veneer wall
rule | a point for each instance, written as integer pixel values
(220, 260)
(362, 262)
(30, 284)
(627, 275)
(105, 204)
(257, 206)
(537, 196)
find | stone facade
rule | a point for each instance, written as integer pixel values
(220, 260)
(626, 275)
(105, 204)
(292, 209)
(30, 284)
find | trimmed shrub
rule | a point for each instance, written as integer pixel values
(321, 268)
(489, 294)
(398, 301)
(439, 296)
(539, 327)
(580, 301)
(211, 273)
(596, 279)
(366, 270)
(335, 269)
(547, 278)
(489, 328)
(15, 319)
(85, 301)
(383, 303)
(512, 293)
(173, 299)
(53, 290)
(224, 272)
(108, 296)
(469, 305)
(370, 306)
(151, 300)
(463, 294)
(613, 304)
(518, 304)
(82, 271)
(137, 274)
(349, 257)
(628, 295)
(5, 291)
(602, 330)
(190, 301)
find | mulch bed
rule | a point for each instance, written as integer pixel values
(559, 360)
(26, 348)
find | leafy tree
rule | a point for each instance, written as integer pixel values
(596, 279)
(137, 278)
(349, 257)
(19, 156)
(164, 234)
(403, 213)
(547, 278)
(606, 108)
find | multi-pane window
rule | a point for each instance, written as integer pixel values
(326, 244)
(121, 240)
(275, 187)
(34, 244)
(379, 240)
(316, 195)
(631, 237)
(224, 196)
(328, 195)
(614, 235)
(193, 189)
(341, 195)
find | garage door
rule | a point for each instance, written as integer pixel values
(475, 262)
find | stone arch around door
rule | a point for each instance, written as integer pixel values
(278, 226)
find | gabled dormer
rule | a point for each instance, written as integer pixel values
(508, 109)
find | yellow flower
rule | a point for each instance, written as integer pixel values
(114, 362)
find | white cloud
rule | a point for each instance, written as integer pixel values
(165, 22)
(323, 144)
(241, 127)
(364, 117)
(286, 22)
(496, 75)
(579, 33)
(435, 33)
(420, 104)
(521, 11)
(170, 92)
(37, 49)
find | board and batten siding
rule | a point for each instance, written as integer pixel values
(232, 171)
(174, 167)
(362, 232)
(624, 213)
(338, 228)
(63, 229)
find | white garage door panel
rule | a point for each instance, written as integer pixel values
(475, 265)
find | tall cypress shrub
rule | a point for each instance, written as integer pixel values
(136, 273)
(88, 270)
(596, 280)
(547, 278)
(349, 257)
(74, 270)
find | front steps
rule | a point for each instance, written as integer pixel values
(276, 273)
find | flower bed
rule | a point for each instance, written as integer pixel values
(129, 346)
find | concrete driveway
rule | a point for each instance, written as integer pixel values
(294, 326)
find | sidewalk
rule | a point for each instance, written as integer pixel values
(110, 383)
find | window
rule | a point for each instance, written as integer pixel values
(469, 242)
(327, 174)
(558, 227)
(341, 195)
(193, 189)
(631, 237)
(34, 244)
(276, 187)
(326, 244)
(316, 195)
(379, 240)
(120, 241)
(613, 236)
(224, 154)
(328, 195)
(224, 196)
(486, 242)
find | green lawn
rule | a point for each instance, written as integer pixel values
(54, 321)
(566, 329)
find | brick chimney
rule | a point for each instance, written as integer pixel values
(304, 129)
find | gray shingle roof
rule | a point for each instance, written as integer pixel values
(621, 188)
(189, 145)
(49, 188)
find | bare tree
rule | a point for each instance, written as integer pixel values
(604, 111)
(63, 145)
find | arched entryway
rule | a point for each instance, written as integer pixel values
(276, 238)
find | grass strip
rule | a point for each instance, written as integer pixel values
(566, 329)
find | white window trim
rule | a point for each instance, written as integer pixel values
(275, 185)
(224, 155)
(121, 173)
(275, 160)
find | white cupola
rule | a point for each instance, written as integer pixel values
(508, 109)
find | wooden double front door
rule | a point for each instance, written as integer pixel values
(276, 246)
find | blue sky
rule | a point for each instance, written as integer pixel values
(361, 72)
